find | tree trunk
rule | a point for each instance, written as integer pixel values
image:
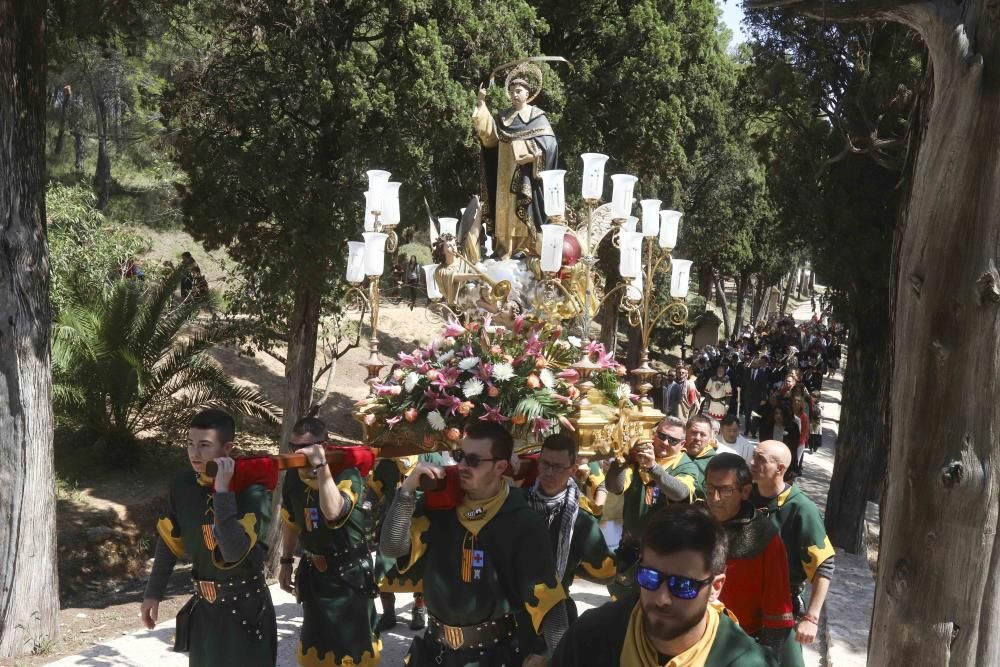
(759, 293)
(938, 595)
(788, 291)
(65, 97)
(29, 595)
(742, 286)
(102, 175)
(859, 466)
(720, 298)
(79, 151)
(706, 281)
(299, 365)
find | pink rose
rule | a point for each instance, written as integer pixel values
(432, 375)
(534, 382)
(496, 350)
(465, 408)
(573, 392)
(493, 392)
(411, 415)
(453, 434)
(428, 441)
(541, 362)
(369, 419)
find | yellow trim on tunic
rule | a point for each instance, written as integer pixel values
(249, 523)
(418, 527)
(817, 556)
(311, 658)
(165, 527)
(286, 519)
(638, 651)
(548, 597)
(587, 505)
(605, 571)
(345, 487)
(399, 585)
(783, 496)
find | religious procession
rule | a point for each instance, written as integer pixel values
(489, 455)
(511, 334)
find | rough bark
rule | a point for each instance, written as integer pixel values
(938, 595)
(859, 466)
(742, 286)
(64, 97)
(706, 281)
(720, 299)
(758, 300)
(299, 365)
(102, 175)
(29, 598)
(79, 150)
(788, 291)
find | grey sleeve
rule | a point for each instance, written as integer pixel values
(672, 488)
(614, 480)
(229, 534)
(554, 626)
(825, 569)
(163, 564)
(394, 542)
(773, 638)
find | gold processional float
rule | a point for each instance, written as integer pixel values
(516, 346)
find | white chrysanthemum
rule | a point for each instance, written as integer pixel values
(623, 391)
(411, 380)
(436, 420)
(574, 341)
(468, 363)
(503, 371)
(547, 378)
(445, 357)
(473, 387)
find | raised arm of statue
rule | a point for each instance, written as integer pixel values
(482, 121)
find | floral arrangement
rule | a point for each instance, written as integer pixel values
(608, 376)
(515, 376)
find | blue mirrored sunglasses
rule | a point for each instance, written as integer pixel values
(684, 588)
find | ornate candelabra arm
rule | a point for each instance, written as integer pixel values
(677, 314)
(617, 288)
(370, 300)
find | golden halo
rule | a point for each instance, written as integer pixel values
(531, 73)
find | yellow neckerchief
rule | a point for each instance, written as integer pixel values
(667, 463)
(709, 449)
(474, 514)
(638, 651)
(205, 480)
(406, 464)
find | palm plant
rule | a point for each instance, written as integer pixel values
(126, 359)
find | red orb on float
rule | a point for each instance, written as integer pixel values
(571, 250)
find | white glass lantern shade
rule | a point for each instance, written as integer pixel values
(670, 222)
(650, 216)
(355, 261)
(593, 175)
(553, 188)
(390, 203)
(630, 223)
(373, 202)
(433, 293)
(621, 195)
(630, 260)
(377, 180)
(448, 226)
(374, 253)
(680, 278)
(634, 291)
(552, 247)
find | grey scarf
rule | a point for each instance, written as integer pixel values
(566, 504)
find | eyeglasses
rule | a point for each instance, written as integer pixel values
(471, 460)
(684, 588)
(670, 440)
(546, 466)
(723, 491)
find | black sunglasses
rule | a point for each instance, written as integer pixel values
(471, 460)
(684, 588)
(670, 440)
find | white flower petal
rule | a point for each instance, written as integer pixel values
(472, 387)
(574, 341)
(436, 420)
(468, 363)
(547, 378)
(411, 380)
(503, 371)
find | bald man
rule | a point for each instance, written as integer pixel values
(810, 554)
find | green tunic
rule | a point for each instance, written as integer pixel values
(338, 612)
(470, 579)
(223, 633)
(642, 498)
(597, 638)
(701, 463)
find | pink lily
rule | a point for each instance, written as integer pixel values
(447, 377)
(384, 389)
(540, 424)
(519, 323)
(392, 421)
(485, 371)
(594, 347)
(493, 415)
(451, 403)
(453, 329)
(570, 375)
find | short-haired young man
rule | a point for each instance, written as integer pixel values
(730, 440)
(756, 566)
(577, 542)
(489, 577)
(230, 619)
(656, 474)
(334, 581)
(672, 621)
(810, 554)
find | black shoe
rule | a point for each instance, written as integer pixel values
(386, 622)
(419, 620)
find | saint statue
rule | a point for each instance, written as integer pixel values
(452, 271)
(517, 145)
